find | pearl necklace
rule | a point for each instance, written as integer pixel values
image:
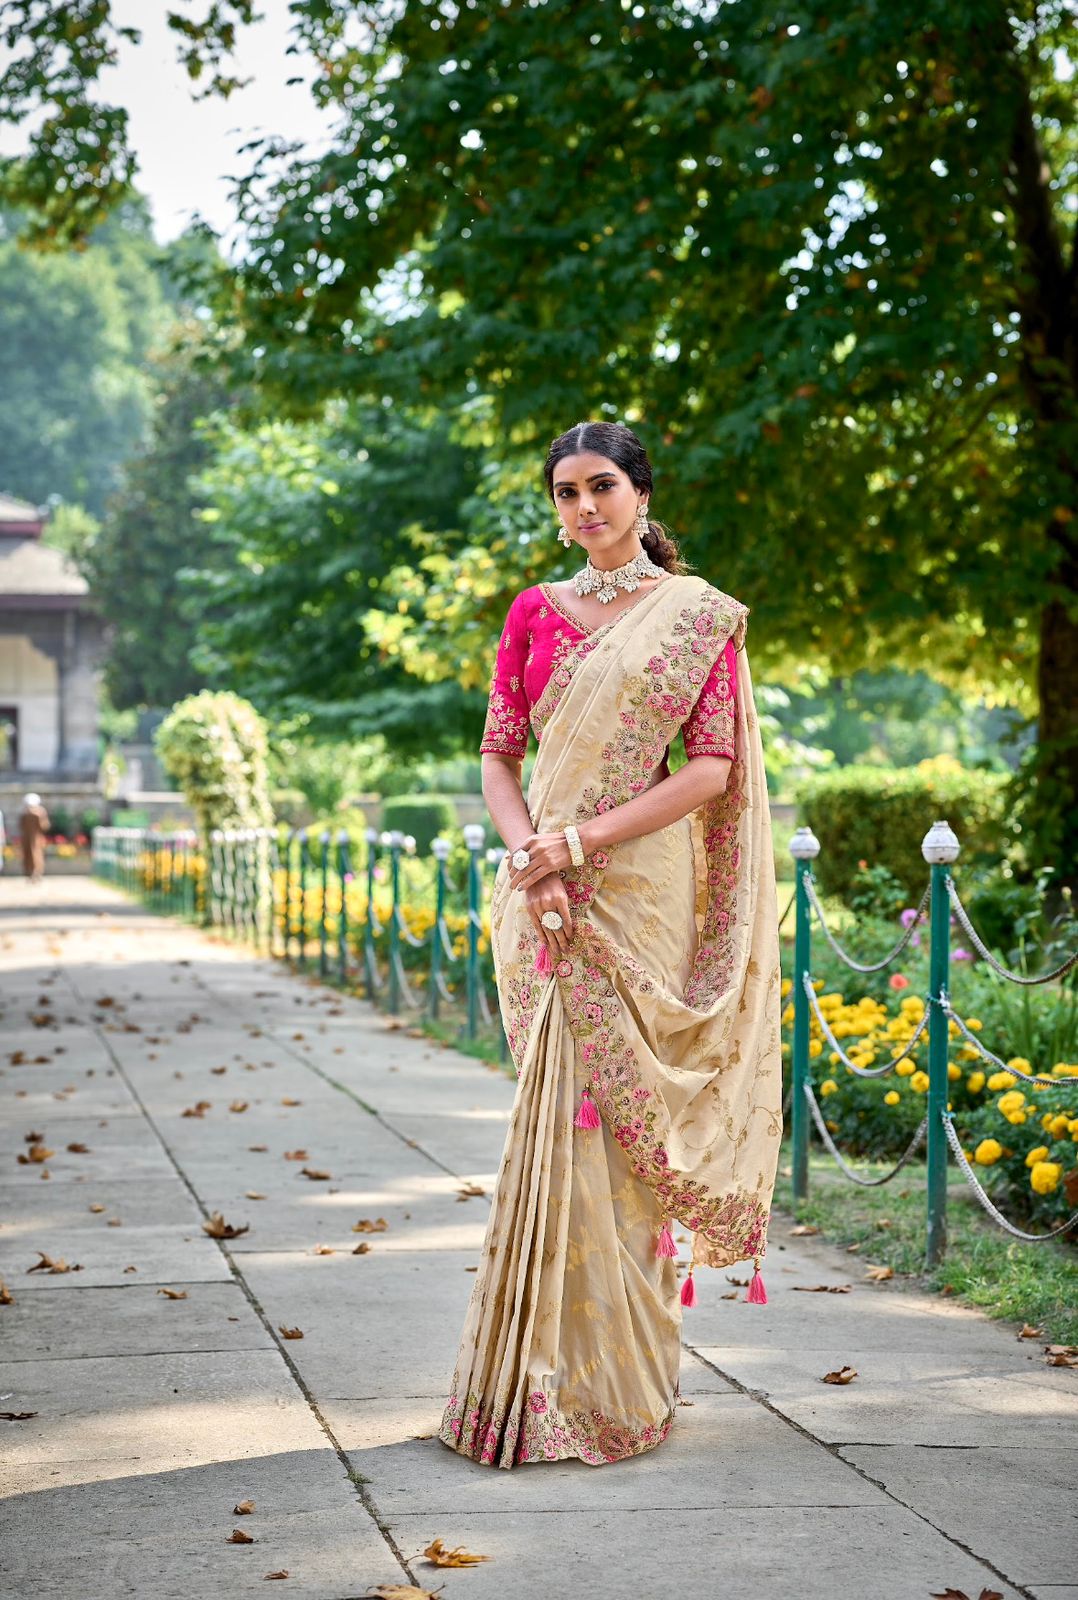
(605, 585)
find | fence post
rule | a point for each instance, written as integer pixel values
(440, 849)
(940, 849)
(474, 837)
(323, 950)
(370, 953)
(396, 840)
(804, 847)
(344, 873)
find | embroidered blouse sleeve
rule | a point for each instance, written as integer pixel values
(709, 730)
(506, 730)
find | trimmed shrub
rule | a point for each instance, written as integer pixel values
(881, 815)
(424, 815)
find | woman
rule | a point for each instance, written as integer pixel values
(635, 940)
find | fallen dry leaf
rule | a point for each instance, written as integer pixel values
(16, 1416)
(114, 1222)
(286, 1100)
(47, 1264)
(1061, 1355)
(731, 1296)
(252, 1194)
(36, 1152)
(282, 1574)
(880, 1274)
(851, 1249)
(822, 1288)
(237, 1536)
(804, 1227)
(960, 1594)
(218, 1070)
(740, 1282)
(6, 1296)
(218, 1228)
(314, 1172)
(437, 1553)
(324, 1250)
(238, 1105)
(244, 1508)
(1028, 1331)
(295, 1155)
(467, 1190)
(79, 1149)
(97, 1206)
(260, 1149)
(199, 1109)
(402, 1591)
(173, 1294)
(370, 1225)
(130, 1269)
(361, 1249)
(289, 1333)
(843, 1375)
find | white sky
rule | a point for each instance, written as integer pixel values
(186, 148)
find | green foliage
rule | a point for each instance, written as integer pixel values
(879, 816)
(311, 525)
(215, 748)
(325, 774)
(423, 815)
(152, 532)
(55, 56)
(74, 330)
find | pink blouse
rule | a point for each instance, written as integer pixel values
(538, 632)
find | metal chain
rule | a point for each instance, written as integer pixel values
(787, 1100)
(983, 950)
(861, 1072)
(450, 953)
(406, 988)
(859, 966)
(789, 903)
(972, 1180)
(1016, 1072)
(855, 1177)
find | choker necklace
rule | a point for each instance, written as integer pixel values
(605, 585)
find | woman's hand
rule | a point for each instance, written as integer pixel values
(549, 852)
(549, 895)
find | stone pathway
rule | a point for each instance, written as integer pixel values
(948, 1463)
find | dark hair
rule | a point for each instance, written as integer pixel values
(618, 444)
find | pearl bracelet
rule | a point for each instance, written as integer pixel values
(576, 849)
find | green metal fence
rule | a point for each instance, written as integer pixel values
(940, 849)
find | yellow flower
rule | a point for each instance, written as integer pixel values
(787, 985)
(1017, 1117)
(815, 1047)
(953, 1072)
(975, 1082)
(974, 1024)
(1020, 1062)
(828, 1086)
(1002, 1080)
(919, 1081)
(1058, 1126)
(788, 1014)
(1036, 1155)
(818, 984)
(904, 1068)
(987, 1152)
(1011, 1101)
(892, 1097)
(1045, 1176)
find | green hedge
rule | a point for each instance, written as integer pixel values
(423, 815)
(881, 814)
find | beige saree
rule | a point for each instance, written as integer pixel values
(665, 1017)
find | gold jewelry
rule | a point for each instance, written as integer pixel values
(576, 849)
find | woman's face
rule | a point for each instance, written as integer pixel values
(596, 500)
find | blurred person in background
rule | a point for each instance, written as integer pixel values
(33, 826)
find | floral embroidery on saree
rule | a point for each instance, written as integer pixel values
(543, 1433)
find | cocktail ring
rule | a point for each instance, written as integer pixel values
(552, 919)
(521, 859)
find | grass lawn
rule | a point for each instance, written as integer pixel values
(983, 1266)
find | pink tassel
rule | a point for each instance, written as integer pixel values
(587, 1116)
(757, 1294)
(543, 960)
(666, 1245)
(688, 1291)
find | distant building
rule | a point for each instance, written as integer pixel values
(51, 650)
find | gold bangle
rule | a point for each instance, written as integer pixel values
(576, 849)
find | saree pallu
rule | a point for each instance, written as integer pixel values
(666, 1014)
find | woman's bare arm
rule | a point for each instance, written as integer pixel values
(674, 797)
(503, 793)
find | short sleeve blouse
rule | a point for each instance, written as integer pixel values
(536, 630)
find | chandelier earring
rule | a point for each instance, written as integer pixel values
(641, 524)
(565, 536)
